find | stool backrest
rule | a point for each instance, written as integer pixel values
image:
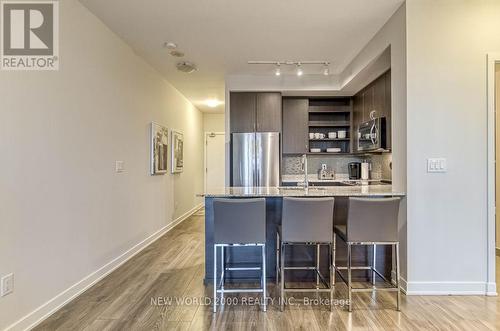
(307, 220)
(240, 221)
(373, 220)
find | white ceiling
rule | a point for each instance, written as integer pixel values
(220, 36)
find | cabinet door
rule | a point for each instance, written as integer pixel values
(379, 97)
(268, 112)
(242, 112)
(295, 126)
(388, 108)
(367, 103)
(357, 117)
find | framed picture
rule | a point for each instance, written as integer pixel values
(177, 151)
(159, 149)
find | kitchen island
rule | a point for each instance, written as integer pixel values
(300, 255)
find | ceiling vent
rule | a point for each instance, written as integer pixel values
(176, 53)
(186, 67)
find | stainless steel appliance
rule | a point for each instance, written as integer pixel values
(372, 135)
(256, 159)
(354, 170)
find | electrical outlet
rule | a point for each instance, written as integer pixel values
(7, 285)
(436, 165)
(119, 166)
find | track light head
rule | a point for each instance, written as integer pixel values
(299, 70)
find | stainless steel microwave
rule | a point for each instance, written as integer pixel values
(372, 135)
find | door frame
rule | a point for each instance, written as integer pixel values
(492, 60)
(205, 155)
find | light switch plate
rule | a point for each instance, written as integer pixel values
(7, 285)
(437, 165)
(119, 166)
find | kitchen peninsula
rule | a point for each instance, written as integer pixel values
(274, 197)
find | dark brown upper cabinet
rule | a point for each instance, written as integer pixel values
(255, 112)
(268, 112)
(242, 112)
(374, 97)
(295, 126)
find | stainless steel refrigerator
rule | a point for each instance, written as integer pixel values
(256, 159)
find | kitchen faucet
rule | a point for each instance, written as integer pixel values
(304, 168)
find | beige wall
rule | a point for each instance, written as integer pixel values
(447, 44)
(65, 213)
(497, 104)
(213, 122)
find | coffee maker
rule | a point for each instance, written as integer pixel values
(354, 170)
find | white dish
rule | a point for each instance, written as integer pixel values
(315, 150)
(333, 150)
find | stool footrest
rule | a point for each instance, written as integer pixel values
(241, 290)
(242, 268)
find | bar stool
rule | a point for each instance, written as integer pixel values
(305, 221)
(239, 222)
(369, 222)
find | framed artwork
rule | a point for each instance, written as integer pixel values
(159, 149)
(177, 151)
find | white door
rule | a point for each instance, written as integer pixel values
(214, 160)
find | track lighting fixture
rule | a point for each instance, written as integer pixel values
(298, 64)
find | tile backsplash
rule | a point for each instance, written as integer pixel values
(381, 164)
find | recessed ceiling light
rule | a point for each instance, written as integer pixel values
(212, 103)
(170, 45)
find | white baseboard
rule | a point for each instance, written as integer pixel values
(448, 288)
(445, 288)
(44, 311)
(491, 289)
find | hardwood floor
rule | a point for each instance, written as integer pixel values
(173, 267)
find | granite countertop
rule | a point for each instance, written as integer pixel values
(331, 191)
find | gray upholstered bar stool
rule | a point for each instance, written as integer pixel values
(305, 221)
(239, 222)
(370, 221)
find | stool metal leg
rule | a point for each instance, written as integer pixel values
(374, 263)
(317, 265)
(215, 279)
(349, 282)
(397, 277)
(264, 277)
(282, 274)
(332, 272)
(333, 257)
(277, 257)
(223, 264)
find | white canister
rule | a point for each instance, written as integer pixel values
(332, 135)
(311, 135)
(365, 171)
(342, 134)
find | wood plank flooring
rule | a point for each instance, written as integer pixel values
(173, 267)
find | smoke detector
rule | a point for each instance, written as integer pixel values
(186, 66)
